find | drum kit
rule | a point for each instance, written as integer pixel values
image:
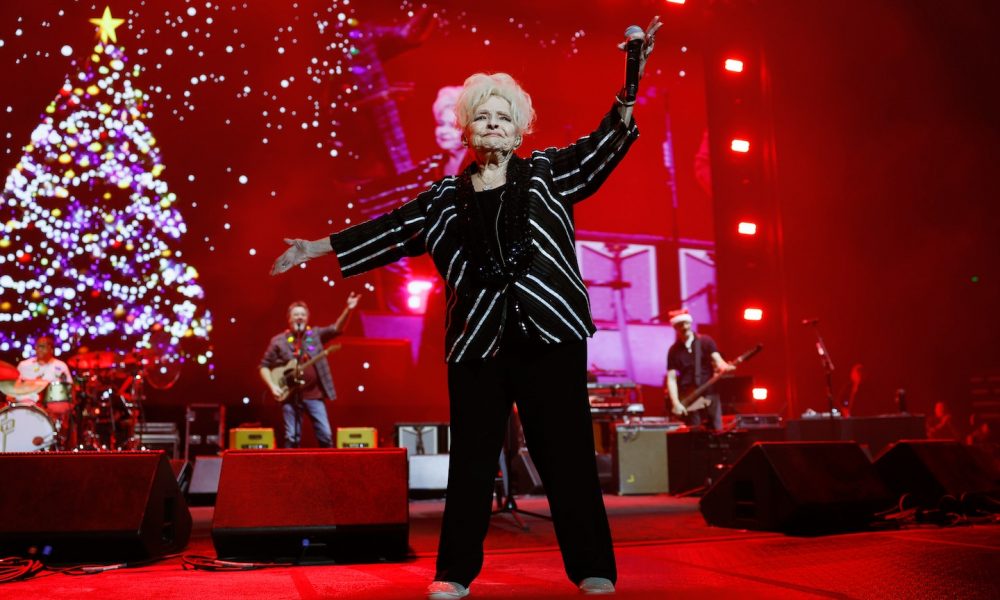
(100, 408)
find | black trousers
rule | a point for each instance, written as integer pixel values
(548, 382)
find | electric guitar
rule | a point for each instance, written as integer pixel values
(288, 377)
(695, 401)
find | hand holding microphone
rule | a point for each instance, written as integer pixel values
(637, 46)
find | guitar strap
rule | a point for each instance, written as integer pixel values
(697, 360)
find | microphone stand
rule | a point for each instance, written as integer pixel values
(511, 447)
(827, 362)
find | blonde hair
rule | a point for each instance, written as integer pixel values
(447, 98)
(479, 87)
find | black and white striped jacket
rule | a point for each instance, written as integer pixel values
(550, 290)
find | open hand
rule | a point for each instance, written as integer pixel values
(352, 300)
(299, 252)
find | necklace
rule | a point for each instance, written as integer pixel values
(498, 180)
(487, 185)
(497, 230)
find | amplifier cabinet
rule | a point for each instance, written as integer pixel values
(640, 464)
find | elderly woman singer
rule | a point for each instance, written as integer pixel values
(501, 235)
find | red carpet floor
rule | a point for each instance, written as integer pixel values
(663, 546)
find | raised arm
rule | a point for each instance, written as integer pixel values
(352, 303)
(625, 107)
(579, 169)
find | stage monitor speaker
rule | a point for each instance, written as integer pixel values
(798, 487)
(348, 505)
(204, 483)
(524, 477)
(928, 470)
(91, 506)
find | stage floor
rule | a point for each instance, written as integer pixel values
(664, 550)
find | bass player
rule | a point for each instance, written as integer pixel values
(691, 361)
(303, 389)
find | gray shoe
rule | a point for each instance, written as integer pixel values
(597, 585)
(449, 590)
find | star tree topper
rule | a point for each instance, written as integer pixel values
(107, 25)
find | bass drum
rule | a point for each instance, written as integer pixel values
(58, 398)
(25, 428)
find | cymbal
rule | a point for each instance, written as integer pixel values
(101, 359)
(23, 387)
(8, 372)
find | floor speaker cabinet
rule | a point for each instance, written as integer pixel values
(347, 505)
(428, 473)
(524, 477)
(182, 473)
(798, 487)
(928, 470)
(204, 484)
(91, 507)
(640, 466)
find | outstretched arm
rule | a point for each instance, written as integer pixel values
(367, 245)
(300, 252)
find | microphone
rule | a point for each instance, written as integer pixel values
(634, 37)
(810, 321)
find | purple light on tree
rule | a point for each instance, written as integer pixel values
(87, 224)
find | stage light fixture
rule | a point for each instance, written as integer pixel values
(759, 393)
(676, 1)
(418, 286)
(417, 291)
(747, 228)
(738, 145)
(734, 65)
(753, 314)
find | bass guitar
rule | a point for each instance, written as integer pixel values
(696, 401)
(288, 377)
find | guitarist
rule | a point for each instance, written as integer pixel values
(315, 383)
(691, 361)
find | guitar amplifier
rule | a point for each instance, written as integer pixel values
(423, 438)
(640, 465)
(357, 437)
(251, 438)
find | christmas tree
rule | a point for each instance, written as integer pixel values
(87, 223)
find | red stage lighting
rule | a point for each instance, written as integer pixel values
(734, 65)
(753, 314)
(417, 291)
(738, 145)
(747, 228)
(759, 393)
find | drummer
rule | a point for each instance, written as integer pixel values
(45, 366)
